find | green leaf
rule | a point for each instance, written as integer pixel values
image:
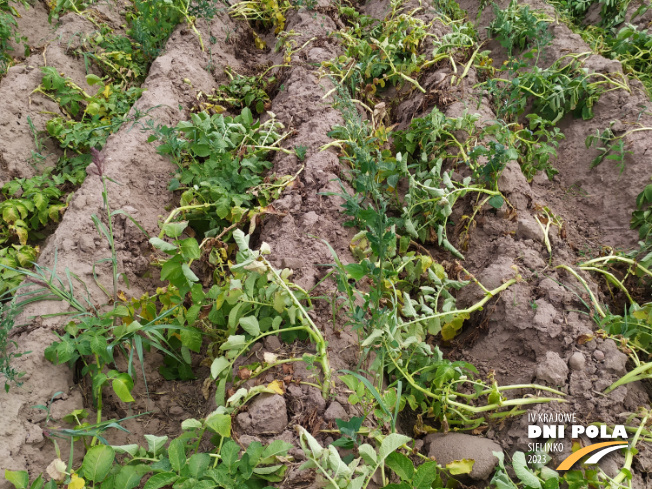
(97, 463)
(368, 454)
(174, 229)
(425, 475)
(220, 424)
(401, 465)
(191, 338)
(93, 79)
(122, 385)
(524, 474)
(177, 454)
(128, 477)
(38, 482)
(161, 479)
(155, 443)
(197, 464)
(131, 449)
(218, 365)
(496, 201)
(234, 342)
(19, 478)
(189, 274)
(190, 249)
(159, 244)
(390, 444)
(250, 325)
(278, 448)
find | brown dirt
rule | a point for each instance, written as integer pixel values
(515, 335)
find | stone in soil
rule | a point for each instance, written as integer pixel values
(553, 369)
(267, 414)
(446, 448)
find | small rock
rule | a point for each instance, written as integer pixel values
(176, 410)
(457, 446)
(86, 244)
(529, 229)
(310, 219)
(272, 343)
(614, 360)
(553, 369)
(315, 400)
(598, 355)
(246, 440)
(68, 245)
(335, 411)
(267, 414)
(577, 361)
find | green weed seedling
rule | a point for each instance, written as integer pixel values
(8, 33)
(8, 313)
(642, 216)
(610, 146)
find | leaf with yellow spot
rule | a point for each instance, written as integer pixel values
(276, 386)
(450, 329)
(76, 482)
(457, 467)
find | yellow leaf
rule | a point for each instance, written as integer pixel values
(260, 44)
(640, 314)
(276, 386)
(107, 91)
(122, 296)
(76, 482)
(457, 467)
(451, 328)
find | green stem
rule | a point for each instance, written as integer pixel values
(586, 286)
(468, 310)
(177, 211)
(315, 333)
(629, 457)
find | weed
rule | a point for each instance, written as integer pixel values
(565, 87)
(219, 159)
(301, 152)
(264, 13)
(8, 313)
(642, 216)
(610, 146)
(243, 92)
(261, 301)
(517, 27)
(9, 32)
